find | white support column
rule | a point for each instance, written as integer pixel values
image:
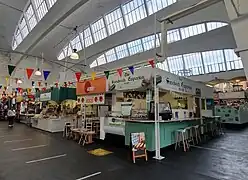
(156, 100)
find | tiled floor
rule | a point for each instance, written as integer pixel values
(50, 157)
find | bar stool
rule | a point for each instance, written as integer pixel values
(196, 132)
(190, 135)
(210, 128)
(181, 136)
(204, 130)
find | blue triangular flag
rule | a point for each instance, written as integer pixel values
(131, 69)
(46, 74)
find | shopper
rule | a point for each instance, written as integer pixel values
(11, 116)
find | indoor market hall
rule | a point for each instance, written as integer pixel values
(123, 89)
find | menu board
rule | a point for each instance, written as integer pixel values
(138, 145)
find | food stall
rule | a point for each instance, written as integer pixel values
(180, 105)
(93, 101)
(52, 118)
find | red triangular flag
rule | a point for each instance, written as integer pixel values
(29, 72)
(152, 63)
(120, 71)
(78, 76)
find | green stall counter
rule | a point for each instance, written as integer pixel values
(167, 131)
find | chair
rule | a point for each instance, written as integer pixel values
(86, 134)
(181, 136)
(203, 131)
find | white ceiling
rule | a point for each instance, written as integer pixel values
(8, 20)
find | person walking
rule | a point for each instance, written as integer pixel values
(11, 116)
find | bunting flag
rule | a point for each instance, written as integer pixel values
(131, 69)
(152, 63)
(46, 74)
(33, 83)
(11, 68)
(120, 71)
(78, 76)
(39, 83)
(29, 72)
(106, 74)
(93, 75)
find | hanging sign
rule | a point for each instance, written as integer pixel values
(45, 96)
(138, 145)
(92, 99)
(91, 86)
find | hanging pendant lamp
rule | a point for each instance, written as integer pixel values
(74, 55)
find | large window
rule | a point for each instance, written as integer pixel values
(76, 43)
(111, 55)
(24, 28)
(135, 47)
(215, 25)
(121, 51)
(173, 36)
(18, 36)
(193, 64)
(51, 3)
(148, 42)
(32, 21)
(192, 30)
(232, 60)
(134, 11)
(61, 55)
(101, 60)
(175, 64)
(41, 7)
(163, 66)
(67, 50)
(94, 64)
(156, 5)
(214, 61)
(114, 21)
(99, 30)
(86, 37)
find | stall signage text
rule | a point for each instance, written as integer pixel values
(179, 84)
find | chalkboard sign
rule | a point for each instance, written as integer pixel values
(138, 145)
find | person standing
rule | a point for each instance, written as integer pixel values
(11, 116)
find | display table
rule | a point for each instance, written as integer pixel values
(167, 130)
(51, 124)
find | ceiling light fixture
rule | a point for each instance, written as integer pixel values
(19, 81)
(74, 55)
(37, 73)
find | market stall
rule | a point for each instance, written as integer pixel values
(93, 103)
(182, 102)
(56, 109)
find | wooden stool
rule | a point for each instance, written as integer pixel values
(196, 130)
(181, 136)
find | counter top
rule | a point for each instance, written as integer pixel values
(163, 121)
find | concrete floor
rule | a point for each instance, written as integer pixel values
(29, 154)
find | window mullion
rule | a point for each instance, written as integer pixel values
(146, 7)
(184, 67)
(105, 25)
(224, 59)
(92, 35)
(122, 14)
(203, 65)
